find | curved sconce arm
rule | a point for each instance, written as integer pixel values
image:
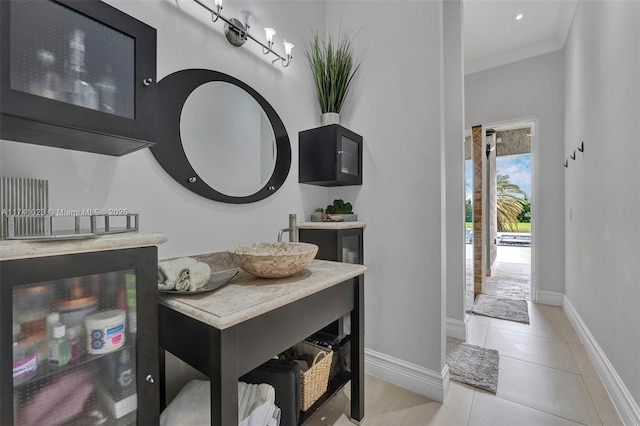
(285, 62)
(215, 15)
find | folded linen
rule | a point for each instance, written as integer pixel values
(192, 405)
(267, 414)
(170, 270)
(251, 396)
(193, 277)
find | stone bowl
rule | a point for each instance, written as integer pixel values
(273, 260)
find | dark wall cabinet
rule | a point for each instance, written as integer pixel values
(330, 156)
(338, 245)
(104, 368)
(77, 75)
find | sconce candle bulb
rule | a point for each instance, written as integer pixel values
(247, 17)
(287, 48)
(270, 32)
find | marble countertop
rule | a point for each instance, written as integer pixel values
(247, 296)
(23, 249)
(332, 225)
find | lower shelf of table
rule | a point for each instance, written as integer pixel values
(335, 385)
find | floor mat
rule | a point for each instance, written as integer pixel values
(503, 308)
(473, 365)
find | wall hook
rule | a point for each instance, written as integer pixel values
(581, 147)
(566, 163)
(573, 156)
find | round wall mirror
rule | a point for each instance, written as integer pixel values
(219, 138)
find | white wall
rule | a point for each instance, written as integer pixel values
(602, 186)
(532, 88)
(397, 107)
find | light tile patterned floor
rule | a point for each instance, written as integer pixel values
(546, 378)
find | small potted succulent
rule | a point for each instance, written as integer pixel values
(340, 211)
(317, 215)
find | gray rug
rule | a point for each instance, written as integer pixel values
(473, 365)
(499, 307)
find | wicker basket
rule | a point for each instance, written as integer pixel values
(314, 381)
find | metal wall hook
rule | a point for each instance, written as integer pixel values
(573, 156)
(581, 147)
(566, 163)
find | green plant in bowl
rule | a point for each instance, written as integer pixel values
(340, 210)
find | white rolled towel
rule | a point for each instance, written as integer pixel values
(169, 271)
(193, 277)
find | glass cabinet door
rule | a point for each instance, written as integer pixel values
(348, 155)
(75, 59)
(74, 346)
(351, 249)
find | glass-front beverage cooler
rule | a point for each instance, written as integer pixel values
(80, 349)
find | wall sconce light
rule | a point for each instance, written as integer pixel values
(237, 32)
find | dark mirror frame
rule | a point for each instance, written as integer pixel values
(173, 91)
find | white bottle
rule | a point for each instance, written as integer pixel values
(107, 91)
(82, 93)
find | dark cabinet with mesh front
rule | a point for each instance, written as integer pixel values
(77, 75)
(330, 156)
(79, 336)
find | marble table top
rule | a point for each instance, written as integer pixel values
(23, 249)
(332, 225)
(247, 296)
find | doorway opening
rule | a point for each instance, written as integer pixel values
(504, 210)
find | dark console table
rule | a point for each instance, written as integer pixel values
(229, 332)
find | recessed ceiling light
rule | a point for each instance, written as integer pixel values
(519, 16)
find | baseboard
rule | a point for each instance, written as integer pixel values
(627, 407)
(457, 329)
(549, 298)
(432, 384)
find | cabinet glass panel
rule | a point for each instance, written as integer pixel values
(63, 55)
(349, 157)
(74, 350)
(351, 249)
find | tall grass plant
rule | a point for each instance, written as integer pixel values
(332, 64)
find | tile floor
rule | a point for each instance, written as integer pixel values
(546, 378)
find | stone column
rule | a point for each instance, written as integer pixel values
(478, 248)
